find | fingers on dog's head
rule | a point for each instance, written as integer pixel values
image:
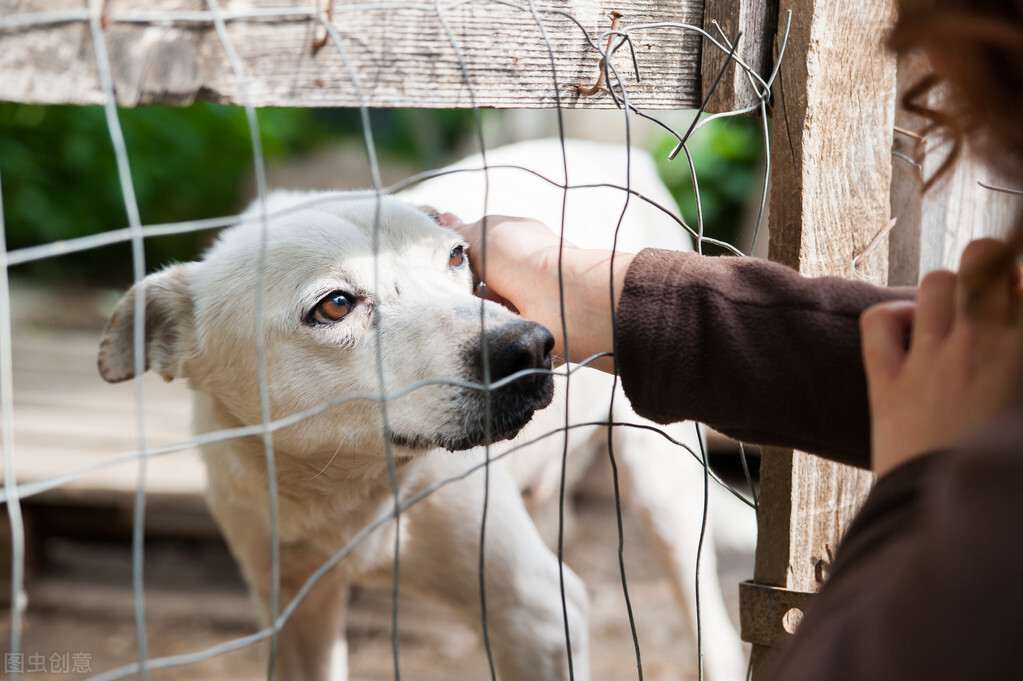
(451, 221)
(989, 282)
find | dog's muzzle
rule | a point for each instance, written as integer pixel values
(522, 348)
(514, 350)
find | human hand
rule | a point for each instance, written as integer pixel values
(962, 367)
(521, 255)
(521, 270)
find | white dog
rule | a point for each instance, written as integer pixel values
(663, 483)
(331, 295)
(362, 296)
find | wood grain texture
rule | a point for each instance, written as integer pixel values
(833, 117)
(834, 113)
(401, 54)
(933, 228)
(67, 418)
(754, 22)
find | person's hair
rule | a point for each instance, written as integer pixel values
(976, 50)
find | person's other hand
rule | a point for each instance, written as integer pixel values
(941, 367)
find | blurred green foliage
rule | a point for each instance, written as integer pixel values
(59, 174)
(728, 155)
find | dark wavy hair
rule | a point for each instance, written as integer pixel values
(976, 51)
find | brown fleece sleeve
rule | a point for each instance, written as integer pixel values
(925, 584)
(749, 347)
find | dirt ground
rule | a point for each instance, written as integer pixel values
(81, 608)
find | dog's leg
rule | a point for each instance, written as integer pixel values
(440, 559)
(312, 642)
(311, 645)
(665, 488)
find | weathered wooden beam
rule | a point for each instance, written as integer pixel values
(834, 119)
(398, 54)
(753, 23)
(834, 105)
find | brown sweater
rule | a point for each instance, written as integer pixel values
(926, 583)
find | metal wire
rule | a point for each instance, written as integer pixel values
(259, 169)
(13, 501)
(564, 334)
(616, 488)
(374, 164)
(139, 359)
(484, 342)
(28, 489)
(346, 550)
(136, 233)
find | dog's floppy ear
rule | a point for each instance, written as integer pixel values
(169, 325)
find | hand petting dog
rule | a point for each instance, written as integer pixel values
(532, 270)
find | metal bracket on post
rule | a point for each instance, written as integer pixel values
(769, 615)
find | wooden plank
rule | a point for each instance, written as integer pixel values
(834, 116)
(169, 52)
(66, 417)
(934, 228)
(834, 112)
(755, 23)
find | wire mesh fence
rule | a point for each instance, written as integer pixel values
(619, 74)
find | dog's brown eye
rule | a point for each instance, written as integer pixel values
(457, 256)
(332, 309)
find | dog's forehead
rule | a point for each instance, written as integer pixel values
(339, 242)
(347, 227)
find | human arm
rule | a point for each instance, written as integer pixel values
(749, 347)
(532, 269)
(746, 346)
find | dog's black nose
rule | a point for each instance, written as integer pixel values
(500, 413)
(517, 348)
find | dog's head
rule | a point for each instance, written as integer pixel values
(357, 296)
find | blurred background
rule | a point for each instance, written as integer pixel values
(59, 181)
(60, 178)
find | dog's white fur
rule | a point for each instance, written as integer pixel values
(663, 483)
(332, 470)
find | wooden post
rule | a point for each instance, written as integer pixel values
(753, 22)
(834, 104)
